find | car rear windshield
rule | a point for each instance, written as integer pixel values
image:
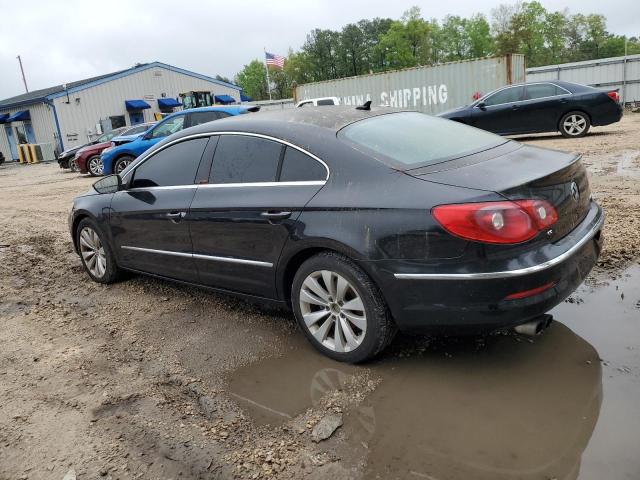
(409, 139)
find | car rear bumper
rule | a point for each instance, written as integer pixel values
(445, 302)
(610, 115)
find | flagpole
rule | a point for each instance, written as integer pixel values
(267, 69)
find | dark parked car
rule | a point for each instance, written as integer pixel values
(540, 107)
(361, 221)
(65, 159)
(87, 159)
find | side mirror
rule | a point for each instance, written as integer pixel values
(146, 136)
(108, 184)
(481, 106)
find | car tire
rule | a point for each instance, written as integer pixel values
(96, 255)
(340, 309)
(94, 166)
(121, 163)
(73, 166)
(574, 124)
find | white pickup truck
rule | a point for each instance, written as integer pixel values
(316, 102)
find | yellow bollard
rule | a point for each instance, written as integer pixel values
(21, 158)
(33, 154)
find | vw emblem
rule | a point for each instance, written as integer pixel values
(575, 191)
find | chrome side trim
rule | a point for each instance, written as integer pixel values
(151, 250)
(199, 256)
(257, 263)
(261, 184)
(229, 185)
(507, 273)
(143, 158)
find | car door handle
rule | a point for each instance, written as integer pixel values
(515, 107)
(275, 215)
(175, 217)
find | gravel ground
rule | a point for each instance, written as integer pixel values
(132, 380)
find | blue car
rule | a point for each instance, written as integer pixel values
(131, 134)
(116, 159)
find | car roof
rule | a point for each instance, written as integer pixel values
(332, 118)
(223, 108)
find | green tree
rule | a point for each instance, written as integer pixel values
(223, 79)
(372, 30)
(253, 80)
(479, 37)
(407, 43)
(454, 39)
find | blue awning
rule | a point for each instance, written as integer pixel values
(4, 117)
(136, 105)
(245, 98)
(168, 103)
(224, 99)
(21, 116)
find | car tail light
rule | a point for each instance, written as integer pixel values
(613, 95)
(531, 292)
(496, 222)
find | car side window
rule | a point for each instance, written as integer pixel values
(168, 127)
(326, 101)
(245, 159)
(508, 95)
(197, 118)
(298, 167)
(542, 90)
(174, 165)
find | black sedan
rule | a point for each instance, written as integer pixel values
(541, 107)
(361, 221)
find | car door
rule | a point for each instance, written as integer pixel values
(543, 106)
(149, 219)
(498, 113)
(242, 218)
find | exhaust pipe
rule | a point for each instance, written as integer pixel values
(534, 327)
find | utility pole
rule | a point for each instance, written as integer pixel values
(23, 77)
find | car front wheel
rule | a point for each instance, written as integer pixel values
(73, 166)
(121, 164)
(340, 309)
(96, 255)
(94, 166)
(574, 124)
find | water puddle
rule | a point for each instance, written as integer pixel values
(501, 408)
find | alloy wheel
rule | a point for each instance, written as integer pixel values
(574, 124)
(95, 166)
(92, 251)
(122, 164)
(333, 311)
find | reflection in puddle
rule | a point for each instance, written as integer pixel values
(511, 409)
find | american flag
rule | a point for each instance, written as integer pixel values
(274, 60)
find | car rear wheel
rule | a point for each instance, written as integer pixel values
(96, 255)
(122, 163)
(94, 166)
(340, 309)
(574, 124)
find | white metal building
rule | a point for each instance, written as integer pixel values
(68, 115)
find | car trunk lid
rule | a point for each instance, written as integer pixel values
(520, 172)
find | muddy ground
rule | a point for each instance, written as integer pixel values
(146, 379)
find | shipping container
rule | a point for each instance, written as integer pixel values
(431, 89)
(614, 72)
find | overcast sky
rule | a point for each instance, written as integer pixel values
(66, 41)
